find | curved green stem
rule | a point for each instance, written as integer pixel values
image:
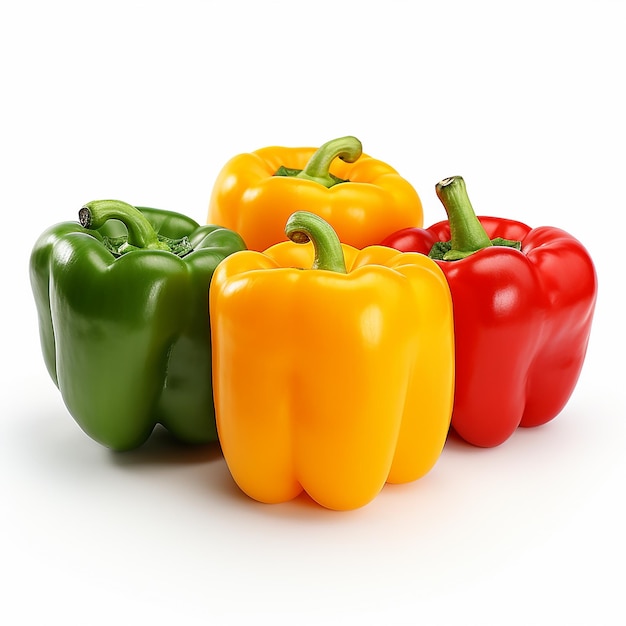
(467, 234)
(141, 234)
(348, 149)
(303, 227)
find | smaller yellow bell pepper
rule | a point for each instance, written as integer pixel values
(334, 379)
(363, 199)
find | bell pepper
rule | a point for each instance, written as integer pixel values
(523, 299)
(122, 302)
(332, 379)
(362, 198)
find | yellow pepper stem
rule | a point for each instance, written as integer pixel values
(348, 149)
(303, 227)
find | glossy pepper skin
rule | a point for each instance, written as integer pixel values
(332, 379)
(374, 200)
(522, 317)
(125, 335)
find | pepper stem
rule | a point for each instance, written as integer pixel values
(348, 149)
(141, 234)
(467, 233)
(303, 227)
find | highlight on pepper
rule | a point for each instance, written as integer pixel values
(333, 367)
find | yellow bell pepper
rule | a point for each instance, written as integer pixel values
(362, 198)
(333, 379)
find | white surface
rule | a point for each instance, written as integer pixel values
(145, 101)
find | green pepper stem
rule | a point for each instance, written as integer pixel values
(466, 231)
(303, 227)
(348, 149)
(140, 232)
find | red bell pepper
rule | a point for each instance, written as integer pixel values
(523, 303)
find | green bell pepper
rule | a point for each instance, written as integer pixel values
(122, 302)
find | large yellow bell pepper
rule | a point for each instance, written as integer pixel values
(362, 198)
(333, 379)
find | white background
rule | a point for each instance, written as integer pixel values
(145, 101)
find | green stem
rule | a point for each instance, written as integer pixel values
(467, 234)
(303, 227)
(140, 232)
(348, 149)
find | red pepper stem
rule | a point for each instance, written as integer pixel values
(303, 227)
(140, 232)
(466, 231)
(348, 149)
